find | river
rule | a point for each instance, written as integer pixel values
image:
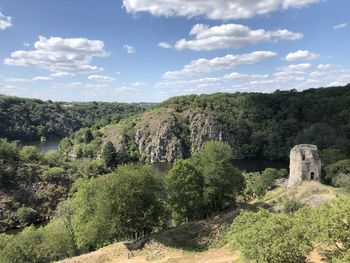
(252, 165)
(49, 145)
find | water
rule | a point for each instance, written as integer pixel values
(49, 145)
(253, 165)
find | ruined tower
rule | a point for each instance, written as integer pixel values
(305, 164)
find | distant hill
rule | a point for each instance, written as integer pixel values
(30, 119)
(256, 125)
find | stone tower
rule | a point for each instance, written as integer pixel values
(305, 164)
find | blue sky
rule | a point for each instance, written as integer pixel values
(150, 50)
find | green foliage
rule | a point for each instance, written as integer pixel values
(266, 237)
(129, 201)
(53, 174)
(184, 186)
(291, 205)
(29, 119)
(269, 125)
(222, 181)
(331, 156)
(109, 155)
(339, 173)
(8, 151)
(26, 215)
(258, 183)
(30, 154)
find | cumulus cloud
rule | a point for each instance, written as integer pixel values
(60, 55)
(203, 65)
(340, 26)
(213, 9)
(164, 45)
(38, 78)
(241, 76)
(231, 36)
(129, 49)
(301, 54)
(327, 66)
(292, 70)
(101, 78)
(5, 21)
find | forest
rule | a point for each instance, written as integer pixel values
(104, 195)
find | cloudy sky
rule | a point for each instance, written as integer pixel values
(150, 50)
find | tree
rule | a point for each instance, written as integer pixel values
(30, 154)
(184, 186)
(222, 181)
(339, 173)
(129, 202)
(266, 237)
(109, 154)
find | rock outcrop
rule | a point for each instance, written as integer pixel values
(163, 135)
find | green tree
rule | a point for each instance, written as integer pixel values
(222, 181)
(266, 237)
(185, 191)
(128, 202)
(30, 154)
(339, 174)
(109, 154)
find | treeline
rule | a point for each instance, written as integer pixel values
(31, 119)
(133, 200)
(269, 125)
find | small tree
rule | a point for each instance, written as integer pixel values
(222, 181)
(185, 191)
(109, 154)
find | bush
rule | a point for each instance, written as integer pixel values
(30, 154)
(26, 215)
(265, 237)
(339, 173)
(53, 174)
(292, 205)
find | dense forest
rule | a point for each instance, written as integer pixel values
(269, 125)
(255, 125)
(31, 119)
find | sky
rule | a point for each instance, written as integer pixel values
(150, 50)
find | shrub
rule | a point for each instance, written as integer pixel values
(26, 215)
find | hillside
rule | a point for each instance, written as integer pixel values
(30, 119)
(204, 241)
(255, 125)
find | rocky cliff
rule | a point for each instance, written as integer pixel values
(166, 134)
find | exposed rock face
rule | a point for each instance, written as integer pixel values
(305, 164)
(165, 135)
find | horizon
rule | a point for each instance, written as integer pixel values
(147, 52)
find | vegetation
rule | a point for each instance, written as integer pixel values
(31, 119)
(269, 125)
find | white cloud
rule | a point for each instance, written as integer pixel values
(22, 80)
(340, 26)
(164, 45)
(240, 76)
(59, 55)
(100, 78)
(61, 74)
(213, 9)
(327, 66)
(231, 36)
(40, 78)
(292, 71)
(301, 54)
(203, 65)
(5, 21)
(129, 49)
(26, 44)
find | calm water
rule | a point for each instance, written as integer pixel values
(49, 145)
(256, 165)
